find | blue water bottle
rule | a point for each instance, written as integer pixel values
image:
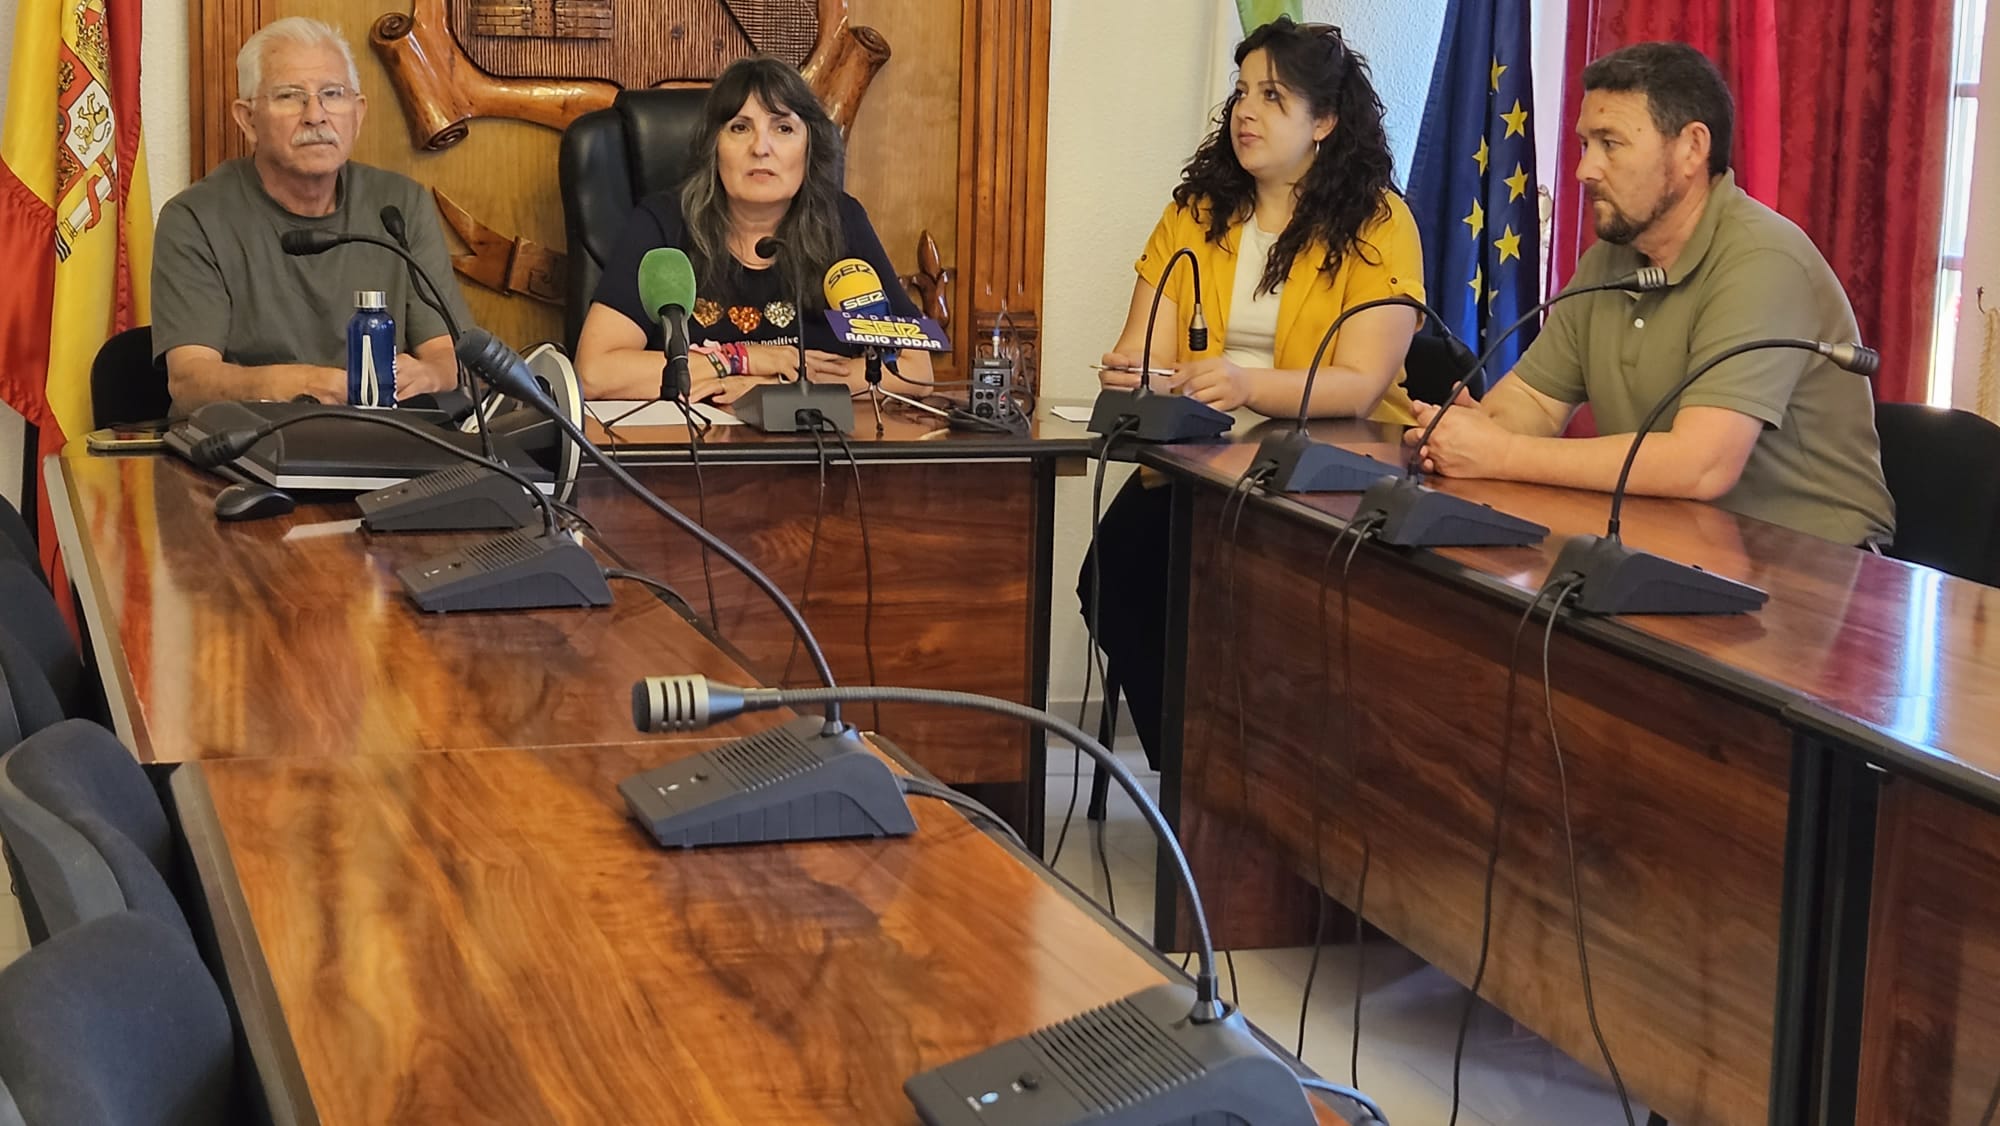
(371, 352)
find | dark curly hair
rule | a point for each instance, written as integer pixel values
(1342, 190)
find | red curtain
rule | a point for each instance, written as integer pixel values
(1841, 112)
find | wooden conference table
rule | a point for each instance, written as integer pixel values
(1738, 787)
(959, 537)
(423, 892)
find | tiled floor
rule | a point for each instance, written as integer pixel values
(1410, 1012)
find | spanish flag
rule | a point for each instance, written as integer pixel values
(76, 220)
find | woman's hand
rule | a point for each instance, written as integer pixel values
(1122, 371)
(723, 390)
(772, 360)
(825, 367)
(1214, 380)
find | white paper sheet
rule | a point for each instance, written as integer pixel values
(621, 413)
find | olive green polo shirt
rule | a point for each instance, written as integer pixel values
(1746, 274)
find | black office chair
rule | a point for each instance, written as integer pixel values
(33, 620)
(1434, 363)
(126, 383)
(16, 540)
(611, 159)
(34, 703)
(116, 1022)
(1943, 469)
(87, 831)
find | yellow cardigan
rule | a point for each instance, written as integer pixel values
(1389, 261)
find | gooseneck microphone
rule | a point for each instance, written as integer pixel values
(1292, 462)
(795, 405)
(1141, 414)
(1614, 579)
(1409, 514)
(666, 291)
(228, 445)
(506, 370)
(1085, 1068)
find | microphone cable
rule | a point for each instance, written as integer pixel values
(695, 435)
(1992, 1103)
(1361, 531)
(1565, 587)
(812, 545)
(1492, 851)
(658, 587)
(915, 787)
(1093, 657)
(867, 567)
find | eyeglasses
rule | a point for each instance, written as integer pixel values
(292, 100)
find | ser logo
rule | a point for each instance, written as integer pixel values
(900, 330)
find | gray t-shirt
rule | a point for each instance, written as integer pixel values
(221, 279)
(1746, 274)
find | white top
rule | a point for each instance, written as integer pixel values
(1251, 335)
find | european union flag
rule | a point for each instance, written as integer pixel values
(1473, 185)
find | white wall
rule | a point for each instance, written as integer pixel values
(163, 98)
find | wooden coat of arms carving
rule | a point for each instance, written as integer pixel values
(550, 61)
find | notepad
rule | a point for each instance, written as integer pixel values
(616, 414)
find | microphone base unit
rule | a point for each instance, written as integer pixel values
(790, 407)
(1300, 465)
(1155, 417)
(1139, 1061)
(462, 498)
(517, 571)
(1618, 580)
(789, 783)
(1413, 515)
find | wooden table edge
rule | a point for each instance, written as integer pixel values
(247, 976)
(87, 576)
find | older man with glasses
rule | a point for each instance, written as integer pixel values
(234, 316)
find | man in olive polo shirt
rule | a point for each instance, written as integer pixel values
(1781, 435)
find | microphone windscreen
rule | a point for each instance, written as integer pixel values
(305, 240)
(666, 277)
(487, 354)
(1857, 358)
(392, 222)
(853, 286)
(768, 247)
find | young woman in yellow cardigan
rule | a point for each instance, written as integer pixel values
(1290, 209)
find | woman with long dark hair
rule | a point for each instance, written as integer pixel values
(766, 161)
(1291, 211)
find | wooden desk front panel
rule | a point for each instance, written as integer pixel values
(958, 594)
(487, 938)
(1930, 1047)
(292, 636)
(1677, 796)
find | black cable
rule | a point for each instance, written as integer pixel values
(1360, 531)
(701, 509)
(1093, 657)
(1570, 586)
(920, 788)
(812, 552)
(1104, 865)
(1239, 494)
(1368, 528)
(1373, 1109)
(1235, 992)
(1492, 852)
(1992, 1107)
(867, 570)
(645, 580)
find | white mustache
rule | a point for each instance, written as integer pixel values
(315, 135)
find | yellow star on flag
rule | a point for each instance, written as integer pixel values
(1478, 281)
(1509, 244)
(1517, 184)
(1498, 70)
(1476, 220)
(1517, 122)
(1484, 152)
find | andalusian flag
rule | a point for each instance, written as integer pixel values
(76, 220)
